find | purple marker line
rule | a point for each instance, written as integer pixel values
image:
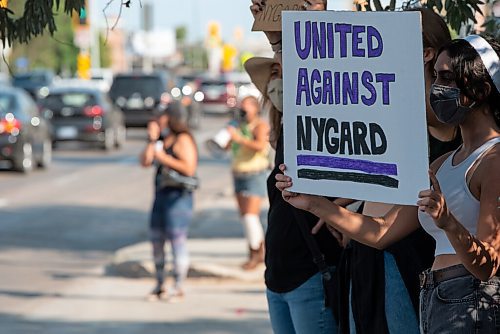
(346, 163)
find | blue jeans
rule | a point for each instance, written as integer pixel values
(301, 311)
(399, 312)
(252, 184)
(172, 212)
(461, 305)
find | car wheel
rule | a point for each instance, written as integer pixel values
(109, 140)
(46, 154)
(121, 136)
(25, 163)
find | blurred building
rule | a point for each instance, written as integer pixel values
(117, 41)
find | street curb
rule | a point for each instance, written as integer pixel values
(209, 258)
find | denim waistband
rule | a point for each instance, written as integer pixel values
(430, 278)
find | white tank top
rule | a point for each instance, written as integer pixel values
(460, 201)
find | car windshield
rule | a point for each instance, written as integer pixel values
(38, 79)
(7, 105)
(145, 86)
(75, 100)
(219, 86)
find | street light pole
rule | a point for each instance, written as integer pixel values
(95, 48)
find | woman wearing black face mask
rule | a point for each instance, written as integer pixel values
(249, 148)
(459, 294)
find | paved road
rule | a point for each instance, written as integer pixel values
(60, 227)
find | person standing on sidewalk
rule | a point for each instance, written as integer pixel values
(295, 292)
(176, 158)
(249, 147)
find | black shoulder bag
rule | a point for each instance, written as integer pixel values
(172, 178)
(318, 259)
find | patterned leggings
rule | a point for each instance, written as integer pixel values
(172, 212)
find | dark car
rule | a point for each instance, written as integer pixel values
(139, 95)
(36, 83)
(219, 95)
(25, 139)
(84, 114)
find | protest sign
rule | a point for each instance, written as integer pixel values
(354, 105)
(269, 19)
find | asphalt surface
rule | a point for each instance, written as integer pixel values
(61, 227)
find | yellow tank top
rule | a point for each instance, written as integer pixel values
(246, 160)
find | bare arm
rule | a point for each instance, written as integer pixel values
(374, 232)
(260, 141)
(147, 156)
(187, 156)
(480, 254)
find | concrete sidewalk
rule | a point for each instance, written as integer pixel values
(218, 258)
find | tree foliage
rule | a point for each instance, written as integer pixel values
(37, 17)
(457, 13)
(56, 51)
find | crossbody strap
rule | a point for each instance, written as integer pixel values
(318, 257)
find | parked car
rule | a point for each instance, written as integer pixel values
(139, 95)
(36, 83)
(219, 95)
(25, 136)
(84, 114)
(244, 85)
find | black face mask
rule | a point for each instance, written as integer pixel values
(242, 115)
(445, 102)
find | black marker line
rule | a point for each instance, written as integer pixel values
(381, 180)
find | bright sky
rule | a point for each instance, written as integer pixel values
(195, 14)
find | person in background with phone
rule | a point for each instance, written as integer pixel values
(249, 146)
(173, 205)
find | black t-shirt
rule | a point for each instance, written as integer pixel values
(362, 267)
(289, 263)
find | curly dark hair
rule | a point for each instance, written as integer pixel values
(471, 74)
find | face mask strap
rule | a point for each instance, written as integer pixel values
(488, 56)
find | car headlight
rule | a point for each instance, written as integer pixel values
(121, 101)
(199, 96)
(187, 90)
(149, 102)
(176, 92)
(43, 92)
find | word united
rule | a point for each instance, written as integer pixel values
(324, 40)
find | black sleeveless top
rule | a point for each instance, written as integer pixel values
(170, 151)
(289, 263)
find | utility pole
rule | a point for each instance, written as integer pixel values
(95, 48)
(147, 26)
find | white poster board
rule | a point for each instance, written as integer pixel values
(354, 105)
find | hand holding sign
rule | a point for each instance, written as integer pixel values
(300, 201)
(267, 13)
(432, 201)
